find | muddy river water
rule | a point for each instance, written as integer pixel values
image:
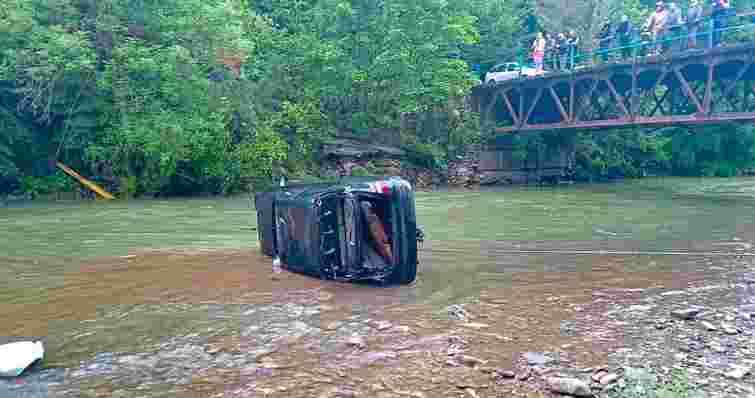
(172, 298)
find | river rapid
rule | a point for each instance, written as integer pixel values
(172, 297)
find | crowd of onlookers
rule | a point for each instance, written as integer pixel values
(667, 28)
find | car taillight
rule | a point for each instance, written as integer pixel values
(386, 189)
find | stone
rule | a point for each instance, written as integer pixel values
(738, 372)
(597, 376)
(476, 325)
(507, 374)
(471, 361)
(640, 308)
(356, 341)
(457, 312)
(609, 378)
(729, 329)
(541, 370)
(333, 325)
(402, 329)
(709, 326)
(569, 386)
(381, 325)
(536, 358)
(524, 375)
(471, 393)
(686, 314)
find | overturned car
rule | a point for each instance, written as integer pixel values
(356, 229)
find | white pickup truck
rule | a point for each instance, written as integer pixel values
(508, 71)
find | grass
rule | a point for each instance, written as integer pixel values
(644, 383)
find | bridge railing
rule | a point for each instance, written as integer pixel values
(707, 36)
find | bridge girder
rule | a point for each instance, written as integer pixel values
(693, 87)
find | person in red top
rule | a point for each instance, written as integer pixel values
(538, 52)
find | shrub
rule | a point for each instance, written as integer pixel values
(359, 171)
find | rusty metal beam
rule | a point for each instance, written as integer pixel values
(532, 107)
(514, 117)
(582, 101)
(734, 82)
(707, 100)
(688, 90)
(560, 106)
(618, 98)
(639, 121)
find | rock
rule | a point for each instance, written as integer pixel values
(570, 386)
(729, 329)
(457, 312)
(709, 326)
(738, 372)
(536, 358)
(541, 370)
(470, 360)
(524, 375)
(686, 314)
(717, 348)
(640, 308)
(383, 325)
(402, 329)
(609, 378)
(333, 325)
(597, 376)
(476, 325)
(507, 374)
(356, 341)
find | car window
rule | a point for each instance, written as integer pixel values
(496, 69)
(513, 67)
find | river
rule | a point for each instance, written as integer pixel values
(144, 298)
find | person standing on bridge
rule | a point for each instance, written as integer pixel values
(605, 37)
(675, 24)
(562, 45)
(720, 10)
(657, 24)
(694, 19)
(538, 52)
(573, 44)
(625, 33)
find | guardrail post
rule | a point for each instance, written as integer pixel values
(711, 27)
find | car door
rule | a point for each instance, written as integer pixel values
(264, 202)
(493, 74)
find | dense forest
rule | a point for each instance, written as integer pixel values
(190, 96)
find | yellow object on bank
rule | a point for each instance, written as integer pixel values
(89, 184)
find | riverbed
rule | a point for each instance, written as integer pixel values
(171, 297)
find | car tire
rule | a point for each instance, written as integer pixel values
(491, 82)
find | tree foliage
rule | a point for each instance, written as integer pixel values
(209, 95)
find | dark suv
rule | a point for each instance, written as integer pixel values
(356, 229)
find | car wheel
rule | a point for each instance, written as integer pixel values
(490, 82)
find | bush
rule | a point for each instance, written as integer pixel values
(359, 171)
(36, 186)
